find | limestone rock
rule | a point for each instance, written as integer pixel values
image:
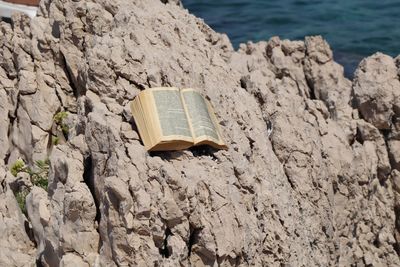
(39, 214)
(394, 153)
(41, 107)
(63, 219)
(308, 180)
(16, 249)
(4, 124)
(176, 2)
(376, 90)
(326, 78)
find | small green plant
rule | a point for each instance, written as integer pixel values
(60, 116)
(38, 176)
(55, 140)
(59, 120)
(21, 199)
(17, 167)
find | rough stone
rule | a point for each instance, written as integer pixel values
(376, 89)
(4, 124)
(394, 153)
(16, 249)
(308, 180)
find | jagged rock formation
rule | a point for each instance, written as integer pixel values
(311, 177)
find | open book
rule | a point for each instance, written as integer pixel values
(169, 118)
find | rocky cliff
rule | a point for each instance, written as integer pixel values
(311, 177)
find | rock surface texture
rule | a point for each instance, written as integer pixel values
(311, 177)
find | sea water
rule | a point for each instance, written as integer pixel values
(353, 28)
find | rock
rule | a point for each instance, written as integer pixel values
(41, 107)
(4, 124)
(318, 49)
(21, 136)
(63, 219)
(396, 180)
(16, 249)
(27, 82)
(326, 78)
(40, 142)
(394, 153)
(71, 260)
(175, 2)
(39, 214)
(376, 90)
(368, 132)
(308, 180)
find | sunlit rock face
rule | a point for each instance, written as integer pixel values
(311, 177)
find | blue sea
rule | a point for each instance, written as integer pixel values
(354, 28)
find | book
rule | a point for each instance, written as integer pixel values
(169, 118)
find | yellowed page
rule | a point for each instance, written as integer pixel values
(187, 115)
(151, 128)
(174, 145)
(139, 120)
(149, 113)
(169, 114)
(211, 111)
(201, 118)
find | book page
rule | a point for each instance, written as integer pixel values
(139, 121)
(148, 109)
(174, 145)
(221, 143)
(199, 117)
(171, 114)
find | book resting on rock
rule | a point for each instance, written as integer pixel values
(169, 118)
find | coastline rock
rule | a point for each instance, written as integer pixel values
(325, 77)
(4, 124)
(63, 219)
(376, 88)
(308, 180)
(176, 2)
(16, 248)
